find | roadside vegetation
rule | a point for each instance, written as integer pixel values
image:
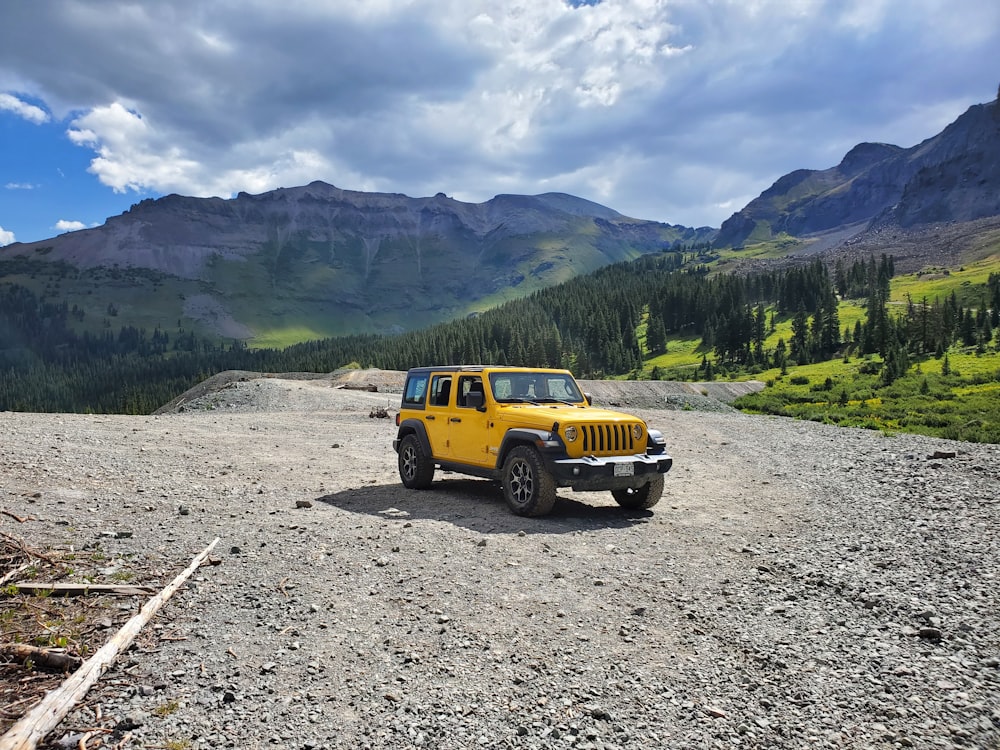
(954, 397)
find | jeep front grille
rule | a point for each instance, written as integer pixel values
(607, 439)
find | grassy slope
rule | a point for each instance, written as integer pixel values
(141, 300)
(292, 317)
(964, 404)
(300, 290)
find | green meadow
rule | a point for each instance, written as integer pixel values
(956, 396)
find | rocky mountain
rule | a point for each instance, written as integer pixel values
(311, 261)
(951, 177)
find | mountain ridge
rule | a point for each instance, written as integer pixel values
(951, 176)
(323, 261)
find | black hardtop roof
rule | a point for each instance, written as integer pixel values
(478, 368)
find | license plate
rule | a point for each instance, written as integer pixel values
(624, 470)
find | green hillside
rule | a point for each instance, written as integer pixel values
(953, 393)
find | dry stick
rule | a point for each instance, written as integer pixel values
(24, 549)
(13, 573)
(43, 718)
(42, 657)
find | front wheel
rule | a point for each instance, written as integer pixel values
(640, 498)
(416, 469)
(527, 487)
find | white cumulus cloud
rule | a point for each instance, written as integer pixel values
(69, 226)
(21, 108)
(6, 237)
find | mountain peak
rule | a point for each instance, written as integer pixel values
(952, 176)
(865, 155)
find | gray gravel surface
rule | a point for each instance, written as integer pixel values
(799, 585)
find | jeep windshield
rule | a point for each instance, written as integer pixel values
(534, 388)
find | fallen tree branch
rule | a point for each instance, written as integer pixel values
(48, 658)
(16, 517)
(43, 718)
(24, 548)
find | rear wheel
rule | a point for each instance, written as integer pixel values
(527, 487)
(416, 469)
(640, 498)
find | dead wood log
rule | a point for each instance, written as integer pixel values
(48, 658)
(370, 387)
(79, 589)
(43, 718)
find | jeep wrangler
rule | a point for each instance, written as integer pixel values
(531, 429)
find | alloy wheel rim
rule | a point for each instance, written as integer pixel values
(521, 482)
(409, 463)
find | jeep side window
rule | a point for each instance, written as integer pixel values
(416, 389)
(440, 390)
(467, 384)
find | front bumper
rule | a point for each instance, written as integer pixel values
(598, 473)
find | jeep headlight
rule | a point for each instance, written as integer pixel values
(636, 431)
(571, 434)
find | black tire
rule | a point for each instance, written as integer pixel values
(527, 487)
(416, 469)
(640, 498)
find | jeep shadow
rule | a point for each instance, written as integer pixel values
(479, 505)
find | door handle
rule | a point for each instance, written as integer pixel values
(429, 416)
(455, 419)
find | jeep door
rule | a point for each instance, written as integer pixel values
(439, 406)
(469, 428)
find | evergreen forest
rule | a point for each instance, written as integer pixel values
(616, 322)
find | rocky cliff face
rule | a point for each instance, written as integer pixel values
(954, 176)
(957, 176)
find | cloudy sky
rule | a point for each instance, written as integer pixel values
(675, 110)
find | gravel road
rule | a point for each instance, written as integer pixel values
(799, 585)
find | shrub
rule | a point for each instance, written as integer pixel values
(826, 385)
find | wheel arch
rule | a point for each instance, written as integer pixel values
(521, 436)
(417, 428)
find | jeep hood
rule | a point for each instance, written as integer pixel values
(543, 415)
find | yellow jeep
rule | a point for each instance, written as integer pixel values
(531, 429)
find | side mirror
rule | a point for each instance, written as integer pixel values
(590, 399)
(474, 399)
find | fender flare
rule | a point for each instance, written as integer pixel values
(532, 437)
(414, 427)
